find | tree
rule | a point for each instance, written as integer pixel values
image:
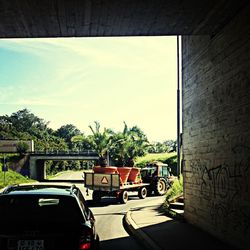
(166, 146)
(100, 141)
(24, 121)
(171, 144)
(67, 132)
(22, 147)
(81, 142)
(128, 145)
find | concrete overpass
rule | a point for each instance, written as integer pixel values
(83, 18)
(215, 92)
(38, 160)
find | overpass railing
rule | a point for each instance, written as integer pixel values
(57, 152)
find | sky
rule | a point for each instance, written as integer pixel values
(81, 80)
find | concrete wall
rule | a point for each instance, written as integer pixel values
(216, 131)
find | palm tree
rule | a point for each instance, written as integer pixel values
(100, 142)
(128, 145)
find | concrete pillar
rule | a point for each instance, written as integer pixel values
(37, 169)
(33, 168)
(40, 170)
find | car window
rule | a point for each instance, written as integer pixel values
(165, 172)
(39, 208)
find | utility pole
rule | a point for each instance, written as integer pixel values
(178, 107)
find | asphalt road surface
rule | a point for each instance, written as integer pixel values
(109, 216)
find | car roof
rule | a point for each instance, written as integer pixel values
(40, 189)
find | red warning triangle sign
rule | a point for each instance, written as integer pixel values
(104, 180)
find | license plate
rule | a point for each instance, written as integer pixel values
(30, 245)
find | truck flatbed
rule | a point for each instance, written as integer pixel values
(129, 186)
(110, 185)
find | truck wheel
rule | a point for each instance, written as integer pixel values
(161, 187)
(142, 193)
(96, 196)
(123, 197)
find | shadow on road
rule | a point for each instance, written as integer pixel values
(103, 203)
(124, 243)
(108, 201)
(180, 235)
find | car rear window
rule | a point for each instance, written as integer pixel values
(39, 208)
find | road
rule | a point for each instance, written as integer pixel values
(109, 217)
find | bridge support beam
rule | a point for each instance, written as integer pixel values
(37, 169)
(38, 161)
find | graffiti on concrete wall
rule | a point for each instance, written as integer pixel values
(226, 188)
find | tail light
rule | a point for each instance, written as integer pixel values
(84, 246)
(85, 239)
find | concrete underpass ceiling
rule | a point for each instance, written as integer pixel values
(83, 18)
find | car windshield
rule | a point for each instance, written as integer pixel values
(23, 208)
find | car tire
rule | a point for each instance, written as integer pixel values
(161, 187)
(142, 192)
(123, 197)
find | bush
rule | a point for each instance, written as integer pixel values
(172, 163)
(176, 189)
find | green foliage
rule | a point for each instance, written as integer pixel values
(128, 145)
(166, 146)
(124, 147)
(24, 125)
(100, 140)
(163, 157)
(168, 158)
(172, 145)
(176, 189)
(12, 177)
(22, 147)
(77, 142)
(52, 167)
(66, 132)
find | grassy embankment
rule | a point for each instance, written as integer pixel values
(169, 158)
(155, 157)
(11, 177)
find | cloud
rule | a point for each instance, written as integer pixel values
(105, 79)
(124, 53)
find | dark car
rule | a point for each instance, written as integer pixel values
(45, 217)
